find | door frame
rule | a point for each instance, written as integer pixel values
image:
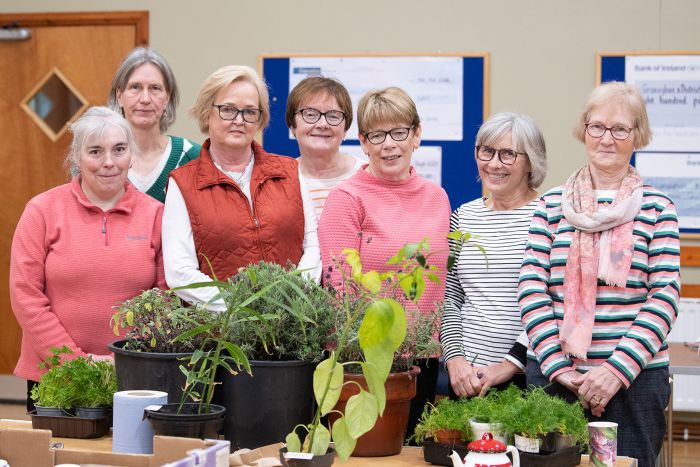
(139, 19)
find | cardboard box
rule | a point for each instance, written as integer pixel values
(32, 448)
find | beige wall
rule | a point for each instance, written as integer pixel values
(542, 51)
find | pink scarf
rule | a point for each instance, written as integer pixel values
(602, 247)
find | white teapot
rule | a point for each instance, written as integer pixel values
(487, 452)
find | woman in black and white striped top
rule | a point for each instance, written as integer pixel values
(482, 336)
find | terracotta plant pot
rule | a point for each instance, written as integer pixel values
(450, 437)
(387, 436)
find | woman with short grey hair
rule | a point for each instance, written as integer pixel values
(482, 337)
(81, 247)
(145, 92)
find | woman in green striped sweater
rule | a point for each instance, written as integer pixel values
(600, 281)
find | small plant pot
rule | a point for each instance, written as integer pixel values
(188, 423)
(525, 444)
(325, 460)
(51, 412)
(91, 412)
(450, 437)
(496, 429)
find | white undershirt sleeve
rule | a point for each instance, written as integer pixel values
(310, 261)
(179, 253)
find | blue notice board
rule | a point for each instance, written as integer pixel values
(670, 85)
(458, 174)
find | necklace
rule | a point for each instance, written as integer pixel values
(240, 179)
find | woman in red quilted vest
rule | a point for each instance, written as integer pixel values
(236, 204)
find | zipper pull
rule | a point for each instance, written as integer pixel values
(255, 219)
(104, 224)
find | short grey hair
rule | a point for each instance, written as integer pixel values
(526, 137)
(91, 125)
(137, 57)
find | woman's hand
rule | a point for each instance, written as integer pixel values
(596, 388)
(496, 373)
(96, 358)
(463, 377)
(568, 380)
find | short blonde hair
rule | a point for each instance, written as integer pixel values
(623, 94)
(390, 105)
(219, 80)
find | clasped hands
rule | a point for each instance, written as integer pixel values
(594, 389)
(468, 380)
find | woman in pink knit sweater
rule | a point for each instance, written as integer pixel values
(386, 205)
(83, 247)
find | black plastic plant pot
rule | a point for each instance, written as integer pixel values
(264, 408)
(188, 423)
(52, 411)
(92, 412)
(149, 370)
(325, 460)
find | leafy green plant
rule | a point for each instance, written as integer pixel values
(78, 382)
(154, 318)
(445, 415)
(380, 333)
(216, 350)
(299, 315)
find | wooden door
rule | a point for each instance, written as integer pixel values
(75, 55)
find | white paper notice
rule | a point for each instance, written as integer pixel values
(427, 160)
(434, 83)
(670, 85)
(677, 175)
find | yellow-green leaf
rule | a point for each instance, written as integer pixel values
(376, 323)
(397, 333)
(375, 384)
(372, 282)
(361, 413)
(381, 356)
(293, 442)
(326, 375)
(344, 442)
(322, 438)
(153, 342)
(130, 318)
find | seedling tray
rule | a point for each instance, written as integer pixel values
(72, 427)
(439, 454)
(567, 457)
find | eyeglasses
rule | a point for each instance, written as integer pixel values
(229, 112)
(507, 156)
(618, 132)
(397, 134)
(311, 116)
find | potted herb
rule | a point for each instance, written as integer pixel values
(380, 333)
(486, 413)
(148, 357)
(299, 316)
(52, 394)
(94, 384)
(215, 354)
(444, 423)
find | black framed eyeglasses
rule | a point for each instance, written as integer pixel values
(618, 132)
(397, 134)
(230, 112)
(311, 116)
(507, 156)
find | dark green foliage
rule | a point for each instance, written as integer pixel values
(298, 315)
(155, 318)
(445, 415)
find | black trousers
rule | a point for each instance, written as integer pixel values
(426, 386)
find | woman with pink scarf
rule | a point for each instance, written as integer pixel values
(600, 281)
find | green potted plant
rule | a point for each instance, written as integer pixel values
(148, 357)
(94, 384)
(486, 413)
(299, 316)
(216, 354)
(444, 423)
(380, 333)
(52, 394)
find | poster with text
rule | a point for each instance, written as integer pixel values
(670, 85)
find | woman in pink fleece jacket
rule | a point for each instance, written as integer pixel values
(386, 205)
(81, 248)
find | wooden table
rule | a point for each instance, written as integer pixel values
(683, 360)
(410, 456)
